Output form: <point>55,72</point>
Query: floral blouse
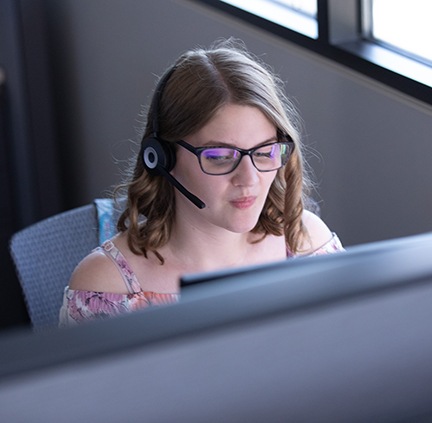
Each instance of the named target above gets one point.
<point>81,306</point>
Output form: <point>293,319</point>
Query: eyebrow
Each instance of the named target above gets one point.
<point>274,138</point>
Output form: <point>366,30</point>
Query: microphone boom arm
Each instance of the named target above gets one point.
<point>194,199</point>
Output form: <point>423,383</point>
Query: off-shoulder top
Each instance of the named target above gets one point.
<point>81,306</point>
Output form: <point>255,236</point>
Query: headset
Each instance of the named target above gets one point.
<point>158,155</point>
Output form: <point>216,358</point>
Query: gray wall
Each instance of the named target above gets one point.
<point>369,145</point>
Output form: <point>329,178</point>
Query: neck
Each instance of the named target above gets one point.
<point>198,249</point>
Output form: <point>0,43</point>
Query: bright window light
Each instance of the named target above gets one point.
<point>308,7</point>
<point>404,24</point>
<point>298,15</point>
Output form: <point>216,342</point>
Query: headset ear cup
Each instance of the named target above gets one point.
<point>157,154</point>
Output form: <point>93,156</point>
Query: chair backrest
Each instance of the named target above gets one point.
<point>46,253</point>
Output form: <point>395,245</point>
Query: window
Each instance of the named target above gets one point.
<point>308,7</point>
<point>403,25</point>
<point>388,40</point>
<point>298,15</point>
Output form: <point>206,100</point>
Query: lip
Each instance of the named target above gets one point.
<point>243,203</point>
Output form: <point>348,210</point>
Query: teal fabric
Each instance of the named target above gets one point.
<point>105,209</point>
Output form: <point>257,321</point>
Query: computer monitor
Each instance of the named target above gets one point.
<point>343,338</point>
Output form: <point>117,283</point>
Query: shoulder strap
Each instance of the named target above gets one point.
<point>122,265</point>
<point>105,209</point>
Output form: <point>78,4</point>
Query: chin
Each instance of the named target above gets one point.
<point>243,226</point>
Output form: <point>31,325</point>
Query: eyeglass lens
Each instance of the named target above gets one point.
<point>270,157</point>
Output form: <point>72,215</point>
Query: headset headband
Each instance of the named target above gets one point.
<point>156,100</point>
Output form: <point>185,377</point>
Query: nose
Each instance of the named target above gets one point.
<point>245,174</point>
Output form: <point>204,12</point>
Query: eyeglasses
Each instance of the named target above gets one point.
<point>223,160</point>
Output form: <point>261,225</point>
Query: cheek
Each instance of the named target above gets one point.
<point>268,180</point>
<point>188,172</point>
<point>185,165</point>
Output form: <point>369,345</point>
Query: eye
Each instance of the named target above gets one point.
<point>267,151</point>
<point>221,155</point>
<point>263,154</point>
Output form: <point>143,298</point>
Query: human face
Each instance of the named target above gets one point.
<point>233,201</point>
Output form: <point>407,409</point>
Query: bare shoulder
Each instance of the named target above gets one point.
<point>97,272</point>
<point>319,233</point>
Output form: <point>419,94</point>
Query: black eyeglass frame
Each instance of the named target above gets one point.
<point>198,151</point>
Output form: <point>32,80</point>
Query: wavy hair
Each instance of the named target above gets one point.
<point>203,82</point>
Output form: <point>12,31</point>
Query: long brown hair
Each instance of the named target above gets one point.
<point>204,81</point>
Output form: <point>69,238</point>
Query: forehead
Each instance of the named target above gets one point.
<point>240,126</point>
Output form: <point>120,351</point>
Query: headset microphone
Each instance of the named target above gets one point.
<point>200,204</point>
<point>158,155</point>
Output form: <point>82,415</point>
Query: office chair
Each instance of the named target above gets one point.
<point>46,253</point>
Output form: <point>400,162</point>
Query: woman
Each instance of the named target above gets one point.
<point>220,180</point>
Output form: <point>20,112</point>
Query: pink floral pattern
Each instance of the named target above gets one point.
<point>82,306</point>
<point>128,275</point>
<point>333,246</point>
